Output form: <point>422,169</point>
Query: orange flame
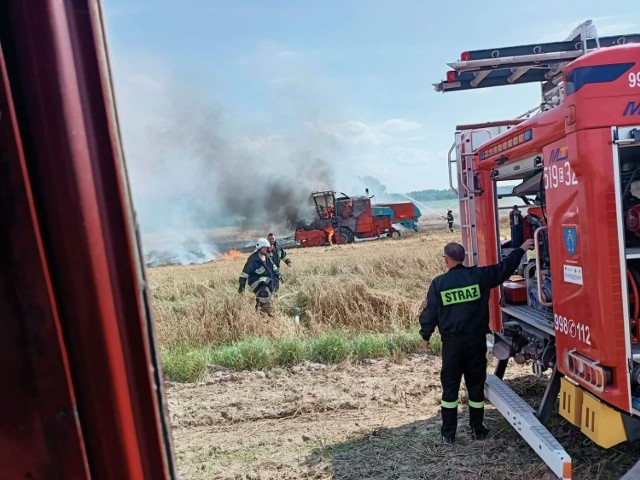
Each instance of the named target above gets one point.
<point>329,231</point>
<point>231,254</point>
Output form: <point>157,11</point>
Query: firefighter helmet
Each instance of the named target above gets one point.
<point>262,242</point>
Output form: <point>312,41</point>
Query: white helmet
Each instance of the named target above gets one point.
<point>262,242</point>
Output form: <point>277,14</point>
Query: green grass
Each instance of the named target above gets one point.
<point>184,363</point>
<point>371,346</point>
<point>331,348</point>
<point>291,351</point>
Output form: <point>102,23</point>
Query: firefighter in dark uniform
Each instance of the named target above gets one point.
<point>261,273</point>
<point>278,255</point>
<point>458,304</point>
<point>450,220</point>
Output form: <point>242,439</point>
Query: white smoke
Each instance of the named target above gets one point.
<point>193,167</point>
<point>177,249</point>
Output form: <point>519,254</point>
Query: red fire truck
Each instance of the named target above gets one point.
<point>574,167</point>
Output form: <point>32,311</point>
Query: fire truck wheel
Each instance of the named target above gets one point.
<point>346,234</point>
<point>395,234</point>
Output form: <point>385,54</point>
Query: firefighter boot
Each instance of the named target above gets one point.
<point>476,417</point>
<point>449,425</point>
<point>263,300</point>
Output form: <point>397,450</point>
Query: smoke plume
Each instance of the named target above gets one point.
<point>195,170</point>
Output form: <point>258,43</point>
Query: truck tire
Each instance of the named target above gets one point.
<point>395,234</point>
<point>346,234</point>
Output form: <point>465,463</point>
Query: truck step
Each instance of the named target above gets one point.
<point>541,319</point>
<point>522,417</point>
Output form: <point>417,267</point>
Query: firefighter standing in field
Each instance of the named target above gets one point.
<point>261,273</point>
<point>278,255</point>
<point>458,304</point>
<point>450,220</point>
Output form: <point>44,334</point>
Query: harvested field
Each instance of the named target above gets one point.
<point>374,420</point>
<point>355,419</point>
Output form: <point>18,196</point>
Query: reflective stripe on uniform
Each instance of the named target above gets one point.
<point>469,293</point>
<point>255,284</point>
<point>473,404</point>
<point>449,404</point>
<point>260,270</point>
<point>244,275</point>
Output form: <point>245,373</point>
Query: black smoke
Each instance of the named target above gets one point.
<point>191,169</point>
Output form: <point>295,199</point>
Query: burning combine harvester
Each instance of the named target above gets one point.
<point>343,219</point>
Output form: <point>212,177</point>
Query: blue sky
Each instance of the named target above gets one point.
<point>353,79</point>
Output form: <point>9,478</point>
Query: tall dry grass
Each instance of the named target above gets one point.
<point>376,287</point>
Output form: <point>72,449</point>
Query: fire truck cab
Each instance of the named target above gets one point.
<point>573,169</point>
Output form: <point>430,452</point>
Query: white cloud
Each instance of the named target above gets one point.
<point>399,125</point>
<point>359,133</point>
<point>416,156</point>
<point>395,151</point>
<point>350,133</point>
<point>425,170</point>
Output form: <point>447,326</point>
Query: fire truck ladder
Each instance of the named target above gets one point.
<point>468,139</point>
<point>541,62</point>
<point>466,193</point>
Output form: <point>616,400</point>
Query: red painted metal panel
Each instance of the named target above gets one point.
<point>604,104</point>
<point>401,210</point>
<point>41,435</point>
<point>488,240</point>
<point>546,127</point>
<point>58,73</point>
<point>596,105</point>
<point>588,316</point>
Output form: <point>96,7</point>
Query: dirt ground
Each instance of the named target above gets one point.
<point>374,420</point>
